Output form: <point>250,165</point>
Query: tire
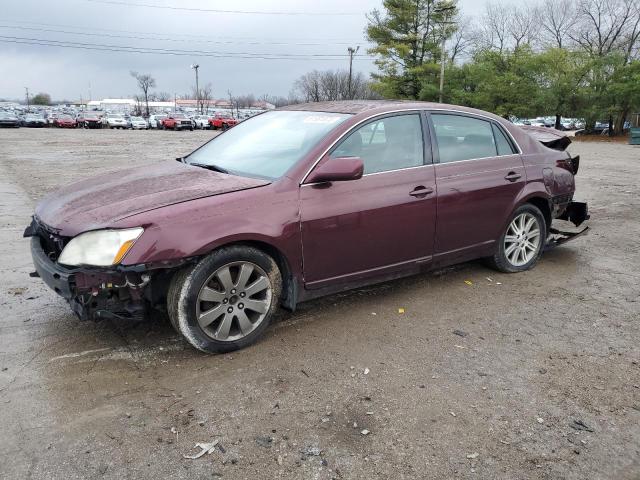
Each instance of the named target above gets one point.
<point>185,305</point>
<point>503,259</point>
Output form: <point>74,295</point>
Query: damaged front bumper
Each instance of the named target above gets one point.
<point>94,294</point>
<point>576,213</point>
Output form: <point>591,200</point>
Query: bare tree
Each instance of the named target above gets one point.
<point>495,27</point>
<point>603,25</point>
<point>204,98</point>
<point>309,86</point>
<point>463,39</point>
<point>632,40</point>
<point>145,82</point>
<point>523,25</point>
<point>557,20</point>
<point>332,85</point>
<point>162,97</point>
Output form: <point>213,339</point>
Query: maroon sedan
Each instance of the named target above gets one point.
<point>301,202</point>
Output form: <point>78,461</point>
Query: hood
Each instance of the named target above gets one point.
<point>100,201</point>
<point>549,137</point>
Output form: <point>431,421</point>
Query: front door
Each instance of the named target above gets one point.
<point>380,223</point>
<point>479,173</point>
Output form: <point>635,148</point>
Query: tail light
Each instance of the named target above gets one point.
<point>571,164</point>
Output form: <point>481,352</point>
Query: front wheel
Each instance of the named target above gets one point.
<point>227,300</point>
<point>521,245</point>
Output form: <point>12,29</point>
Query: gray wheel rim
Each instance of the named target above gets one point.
<point>522,241</point>
<point>234,301</point>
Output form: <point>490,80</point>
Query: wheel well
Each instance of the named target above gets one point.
<point>289,287</point>
<point>543,206</point>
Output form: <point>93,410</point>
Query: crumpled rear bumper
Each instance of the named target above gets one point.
<point>576,213</point>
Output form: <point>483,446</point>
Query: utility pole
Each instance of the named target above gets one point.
<point>442,59</point>
<point>195,66</point>
<point>446,10</point>
<point>352,51</point>
<point>27,90</point>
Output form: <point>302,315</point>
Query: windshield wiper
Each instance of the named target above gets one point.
<point>215,168</point>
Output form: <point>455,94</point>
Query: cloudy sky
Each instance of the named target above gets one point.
<point>245,51</point>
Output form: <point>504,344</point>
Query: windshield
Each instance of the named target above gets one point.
<point>267,145</point>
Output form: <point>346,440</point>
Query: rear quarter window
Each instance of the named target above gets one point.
<point>462,137</point>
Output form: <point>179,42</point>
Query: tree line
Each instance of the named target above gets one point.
<point>552,57</point>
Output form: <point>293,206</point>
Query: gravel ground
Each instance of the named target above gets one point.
<point>526,376</point>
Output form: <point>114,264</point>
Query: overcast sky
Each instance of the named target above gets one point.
<point>317,39</point>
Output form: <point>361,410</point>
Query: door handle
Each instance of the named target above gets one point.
<point>421,191</point>
<point>512,176</point>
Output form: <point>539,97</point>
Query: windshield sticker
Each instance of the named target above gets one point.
<point>320,119</point>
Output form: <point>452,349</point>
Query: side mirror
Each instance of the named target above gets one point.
<point>339,169</point>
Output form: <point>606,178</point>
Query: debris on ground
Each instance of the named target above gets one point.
<point>460,333</point>
<point>17,290</point>
<point>311,451</point>
<point>205,448</point>
<point>401,310</point>
<point>264,441</point>
<point>473,455</point>
<point>540,420</point>
<point>366,371</point>
<point>468,282</point>
<point>365,432</point>
<point>580,425</point>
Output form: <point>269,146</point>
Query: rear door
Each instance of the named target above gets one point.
<point>479,173</point>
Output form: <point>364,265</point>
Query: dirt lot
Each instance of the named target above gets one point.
<point>534,354</point>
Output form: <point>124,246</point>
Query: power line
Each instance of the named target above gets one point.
<point>210,10</point>
<point>160,39</point>
<point>163,51</point>
<point>344,41</point>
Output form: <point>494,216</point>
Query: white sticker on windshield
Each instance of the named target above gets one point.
<point>321,119</point>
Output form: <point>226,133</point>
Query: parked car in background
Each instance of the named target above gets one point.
<point>89,119</point>
<point>138,123</point>
<point>114,120</point>
<point>177,121</point>
<point>9,120</point>
<point>301,202</point>
<point>34,120</point>
<point>155,121</point>
<point>201,121</point>
<point>222,121</point>
<point>65,121</point>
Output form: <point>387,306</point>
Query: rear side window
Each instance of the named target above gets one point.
<point>466,138</point>
<point>504,147</point>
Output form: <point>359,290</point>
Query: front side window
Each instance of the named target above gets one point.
<point>465,138</point>
<point>389,143</point>
<point>267,145</point>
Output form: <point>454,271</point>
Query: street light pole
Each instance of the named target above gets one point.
<point>352,51</point>
<point>27,91</point>
<point>195,66</point>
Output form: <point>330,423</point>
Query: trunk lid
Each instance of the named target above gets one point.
<point>549,137</point>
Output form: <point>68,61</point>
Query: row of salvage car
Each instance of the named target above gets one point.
<point>99,119</point>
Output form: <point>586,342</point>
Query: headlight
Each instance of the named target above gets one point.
<point>100,248</point>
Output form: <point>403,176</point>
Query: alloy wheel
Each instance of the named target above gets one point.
<point>234,301</point>
<point>522,241</point>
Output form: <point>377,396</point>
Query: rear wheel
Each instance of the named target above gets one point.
<point>227,300</point>
<point>521,245</point>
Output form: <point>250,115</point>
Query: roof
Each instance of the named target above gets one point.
<point>380,106</point>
